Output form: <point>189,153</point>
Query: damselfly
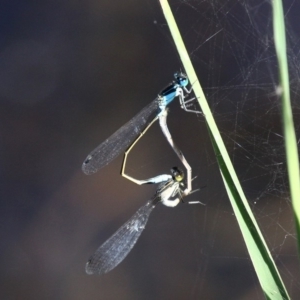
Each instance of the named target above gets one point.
<point>171,187</point>
<point>125,136</point>
<point>170,192</point>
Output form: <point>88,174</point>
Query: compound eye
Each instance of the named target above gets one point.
<point>183,81</point>
<point>179,177</point>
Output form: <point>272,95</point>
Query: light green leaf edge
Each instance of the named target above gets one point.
<point>290,139</point>
<point>263,262</point>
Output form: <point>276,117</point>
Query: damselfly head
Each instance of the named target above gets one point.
<point>181,79</point>
<point>177,174</point>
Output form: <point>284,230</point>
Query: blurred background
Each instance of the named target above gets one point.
<point>73,72</point>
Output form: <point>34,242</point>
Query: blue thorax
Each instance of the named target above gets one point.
<point>168,94</point>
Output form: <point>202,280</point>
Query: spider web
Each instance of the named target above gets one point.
<point>72,73</point>
<point>231,46</point>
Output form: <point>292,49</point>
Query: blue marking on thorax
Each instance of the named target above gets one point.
<point>169,93</point>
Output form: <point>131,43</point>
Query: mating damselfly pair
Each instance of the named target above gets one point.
<point>172,188</point>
